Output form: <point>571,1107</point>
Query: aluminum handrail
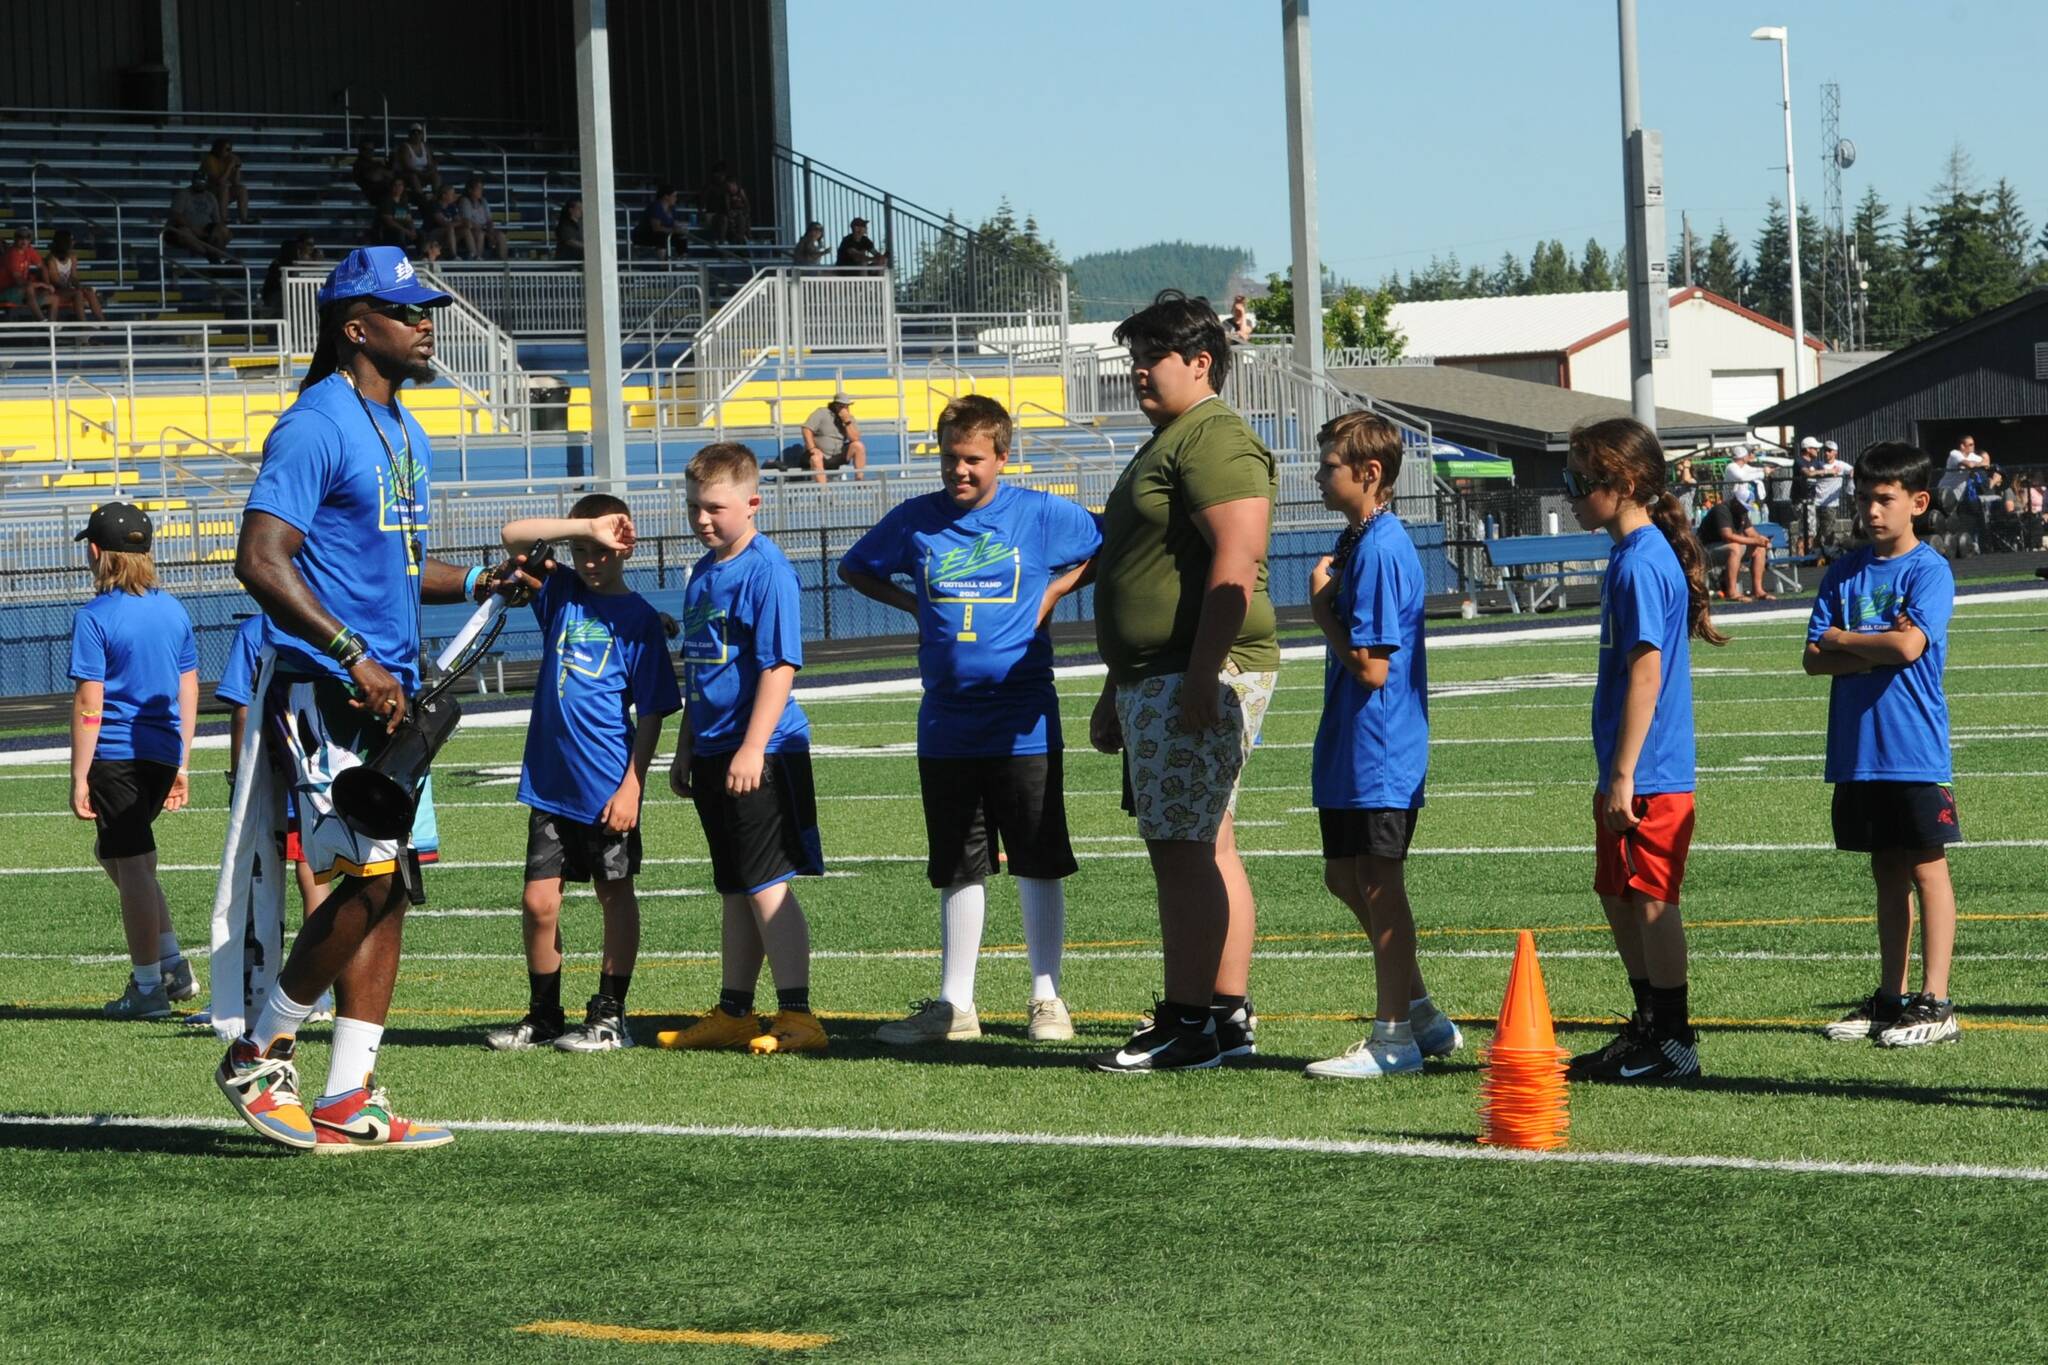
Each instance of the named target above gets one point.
<point>166,266</point>
<point>112,428</point>
<point>41,168</point>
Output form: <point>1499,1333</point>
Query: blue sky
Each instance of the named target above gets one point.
<point>1466,125</point>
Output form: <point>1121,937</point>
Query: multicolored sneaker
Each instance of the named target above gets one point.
<point>178,982</point>
<point>716,1031</point>
<point>136,1003</point>
<point>264,1088</point>
<point>361,1120</point>
<point>790,1031</point>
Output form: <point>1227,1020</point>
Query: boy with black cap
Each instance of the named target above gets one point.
<point>135,705</point>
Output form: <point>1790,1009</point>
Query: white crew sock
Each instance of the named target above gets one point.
<point>167,949</point>
<point>1044,900</point>
<point>962,909</point>
<point>147,979</point>
<point>352,1056</point>
<point>280,1017</point>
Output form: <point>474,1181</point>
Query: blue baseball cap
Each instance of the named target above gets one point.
<point>378,272</point>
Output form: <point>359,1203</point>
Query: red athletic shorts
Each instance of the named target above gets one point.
<point>1649,860</point>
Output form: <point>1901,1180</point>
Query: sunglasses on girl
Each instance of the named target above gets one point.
<point>1576,485</point>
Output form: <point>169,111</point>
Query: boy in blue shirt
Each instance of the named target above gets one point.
<point>744,757</point>
<point>989,562</point>
<point>134,708</point>
<point>604,687</point>
<point>1372,744</point>
<point>1880,630</point>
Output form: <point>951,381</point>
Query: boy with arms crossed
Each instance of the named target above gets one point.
<point>603,654</point>
<point>744,756</point>
<point>989,562</point>
<point>1880,630</point>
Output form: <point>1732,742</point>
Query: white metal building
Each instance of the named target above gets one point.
<point>1725,359</point>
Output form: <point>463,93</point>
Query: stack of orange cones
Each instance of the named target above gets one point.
<point>1522,1098</point>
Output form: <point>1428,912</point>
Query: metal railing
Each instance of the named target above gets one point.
<point>538,300</point>
<point>167,268</point>
<point>36,200</point>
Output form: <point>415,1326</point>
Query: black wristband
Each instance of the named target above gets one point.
<point>346,648</point>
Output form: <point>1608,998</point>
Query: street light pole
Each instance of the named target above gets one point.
<point>1777,34</point>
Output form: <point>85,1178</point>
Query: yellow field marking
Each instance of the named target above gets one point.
<point>678,1336</point>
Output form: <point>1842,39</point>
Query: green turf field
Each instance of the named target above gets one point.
<point>1243,1213</point>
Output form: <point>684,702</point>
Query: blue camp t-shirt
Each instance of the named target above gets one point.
<point>980,577</point>
<point>1891,723</point>
<point>326,474</point>
<point>238,680</point>
<point>1643,601</point>
<point>604,665</point>
<point>741,617</point>
<point>137,645</point>
<point>1372,745</point>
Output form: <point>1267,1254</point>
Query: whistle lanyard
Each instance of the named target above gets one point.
<point>403,480</point>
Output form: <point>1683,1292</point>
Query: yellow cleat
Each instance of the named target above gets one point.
<point>714,1031</point>
<point>791,1031</point>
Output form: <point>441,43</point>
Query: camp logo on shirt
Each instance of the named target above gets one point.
<point>704,634</point>
<point>1878,607</point>
<point>986,571</point>
<point>398,507</point>
<point>584,646</point>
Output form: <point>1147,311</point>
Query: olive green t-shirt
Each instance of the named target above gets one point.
<point>1154,564</point>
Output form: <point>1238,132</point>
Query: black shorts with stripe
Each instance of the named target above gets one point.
<point>766,836</point>
<point>127,796</point>
<point>1886,817</point>
<point>981,812</point>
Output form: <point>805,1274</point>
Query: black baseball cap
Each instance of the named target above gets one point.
<point>118,526</point>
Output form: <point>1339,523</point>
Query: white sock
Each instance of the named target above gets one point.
<point>1400,1035</point>
<point>352,1055</point>
<point>962,909</point>
<point>280,1017</point>
<point>1044,900</point>
<point>167,949</point>
<point>150,978</point>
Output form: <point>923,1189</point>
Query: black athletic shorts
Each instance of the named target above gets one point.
<point>557,846</point>
<point>1352,833</point>
<point>767,836</point>
<point>976,807</point>
<point>1884,817</point>
<point>127,795</point>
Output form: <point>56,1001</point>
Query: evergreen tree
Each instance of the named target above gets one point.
<point>1551,270</point>
<point>2009,232</point>
<point>1770,272</point>
<point>1510,278</point>
<point>1723,270</point>
<point>1596,270</point>
<point>1112,284</point>
<point>1962,271</point>
<point>1677,271</point>
<point>1810,253</point>
<point>1476,285</point>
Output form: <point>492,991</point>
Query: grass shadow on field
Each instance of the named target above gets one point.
<point>69,1012</point>
<point>1957,1096</point>
<point>210,1143</point>
<point>1980,1011</point>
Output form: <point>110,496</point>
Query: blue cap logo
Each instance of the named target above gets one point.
<point>378,272</point>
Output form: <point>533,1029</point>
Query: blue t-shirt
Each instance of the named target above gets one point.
<point>1643,601</point>
<point>358,505</point>
<point>1372,746</point>
<point>604,665</point>
<point>979,577</point>
<point>137,645</point>
<point>741,617</point>
<point>238,680</point>
<point>1891,723</point>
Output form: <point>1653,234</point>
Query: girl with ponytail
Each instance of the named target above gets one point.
<point>1653,600</point>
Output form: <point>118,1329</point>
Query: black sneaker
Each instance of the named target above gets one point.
<point>1236,1032</point>
<point>1159,1046</point>
<point>1924,1020</point>
<point>1863,1023</point>
<point>529,1033</point>
<point>1652,1060</point>
<point>603,1028</point>
<point>1635,1031</point>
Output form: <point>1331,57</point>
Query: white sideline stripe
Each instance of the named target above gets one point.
<point>1183,1142</point>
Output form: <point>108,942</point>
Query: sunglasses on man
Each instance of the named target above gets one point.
<point>406,314</point>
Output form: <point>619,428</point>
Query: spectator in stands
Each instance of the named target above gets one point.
<point>1727,531</point>
<point>300,250</point>
<point>1829,486</point>
<point>1685,485</point>
<point>1745,477</point>
<point>736,222</point>
<point>391,222</point>
<point>372,172</point>
<point>2030,502</point>
<point>711,194</point>
<point>810,248</point>
<point>1239,327</point>
<point>1963,461</point>
<point>857,248</point>
<point>222,169</point>
<point>659,230</point>
<point>415,164</point>
<point>60,273</point>
<point>441,223</point>
<point>21,277</point>
<point>569,231</point>
<point>831,440</point>
<point>476,221</point>
<point>195,224</point>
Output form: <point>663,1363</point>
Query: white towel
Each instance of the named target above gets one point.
<point>248,905</point>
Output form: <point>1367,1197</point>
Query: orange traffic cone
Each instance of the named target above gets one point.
<point>1522,1098</point>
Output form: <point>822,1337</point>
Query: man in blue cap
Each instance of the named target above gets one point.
<point>333,549</point>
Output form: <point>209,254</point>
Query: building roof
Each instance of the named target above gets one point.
<point>1536,324</point>
<point>1888,368</point>
<point>1515,410</point>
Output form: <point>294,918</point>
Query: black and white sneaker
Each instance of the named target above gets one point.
<point>1237,1032</point>
<point>1635,1031</point>
<point>1652,1060</point>
<point>603,1028</point>
<point>529,1033</point>
<point>1924,1020</point>
<point>1863,1023</point>
<point>1160,1046</point>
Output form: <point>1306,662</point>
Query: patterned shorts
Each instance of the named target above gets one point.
<point>1181,785</point>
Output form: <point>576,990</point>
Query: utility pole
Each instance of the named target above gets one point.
<point>601,249</point>
<point>1777,34</point>
<point>1649,273</point>
<point>1301,187</point>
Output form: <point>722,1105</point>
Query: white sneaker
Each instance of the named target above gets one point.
<point>1440,1037</point>
<point>1368,1059</point>
<point>1050,1022</point>
<point>931,1021</point>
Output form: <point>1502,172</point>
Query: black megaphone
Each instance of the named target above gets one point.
<point>379,798</point>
